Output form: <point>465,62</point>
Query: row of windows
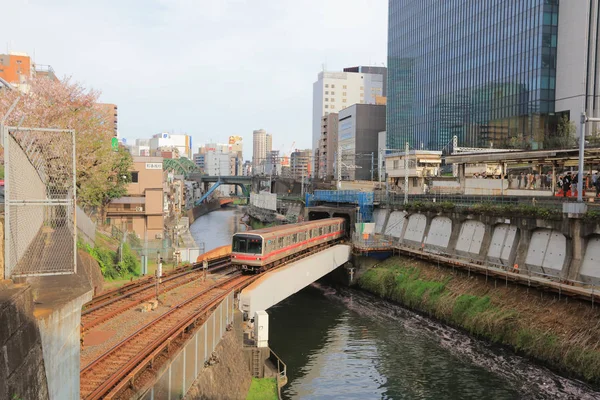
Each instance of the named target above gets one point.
<point>333,86</point>
<point>288,240</point>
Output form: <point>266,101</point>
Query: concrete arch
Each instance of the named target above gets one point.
<point>547,252</point>
<point>470,238</point>
<point>503,246</point>
<point>440,231</point>
<point>395,225</point>
<point>415,230</point>
<point>590,268</point>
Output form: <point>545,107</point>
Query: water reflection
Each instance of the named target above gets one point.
<point>216,228</point>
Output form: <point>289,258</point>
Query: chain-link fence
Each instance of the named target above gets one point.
<point>40,234</point>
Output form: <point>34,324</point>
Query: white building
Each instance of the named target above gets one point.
<point>334,91</point>
<point>262,144</point>
<point>181,142</point>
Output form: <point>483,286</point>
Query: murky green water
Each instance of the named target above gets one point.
<point>345,344</point>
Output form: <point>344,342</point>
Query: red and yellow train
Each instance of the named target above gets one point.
<point>256,251</point>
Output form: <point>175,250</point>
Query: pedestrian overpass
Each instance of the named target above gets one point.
<point>278,284</point>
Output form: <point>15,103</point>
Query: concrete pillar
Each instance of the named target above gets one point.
<point>462,177</point>
<point>523,247</point>
<point>456,228</point>
<point>487,240</point>
<point>577,250</point>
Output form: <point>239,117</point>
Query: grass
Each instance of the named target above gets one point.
<point>396,280</point>
<point>263,389</point>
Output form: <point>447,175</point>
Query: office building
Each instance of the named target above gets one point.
<point>262,144</point>
<point>494,74</point>
<point>141,210</point>
<point>358,140</point>
<point>328,144</point>
<point>334,91</point>
<point>300,164</point>
<point>180,144</point>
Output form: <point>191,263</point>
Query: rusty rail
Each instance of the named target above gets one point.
<point>100,376</point>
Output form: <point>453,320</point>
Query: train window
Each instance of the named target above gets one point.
<point>295,238</point>
<point>320,231</point>
<point>302,236</point>
<point>280,240</point>
<point>255,246</point>
<point>239,244</point>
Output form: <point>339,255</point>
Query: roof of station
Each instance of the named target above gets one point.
<point>518,157</point>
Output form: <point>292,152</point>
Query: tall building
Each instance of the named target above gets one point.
<point>328,146</point>
<point>334,91</point>
<point>494,74</point>
<point>262,144</point>
<point>300,164</point>
<point>111,113</point>
<point>358,139</point>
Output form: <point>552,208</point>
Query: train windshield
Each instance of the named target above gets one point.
<point>247,244</point>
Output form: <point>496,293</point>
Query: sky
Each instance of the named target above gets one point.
<point>208,68</point>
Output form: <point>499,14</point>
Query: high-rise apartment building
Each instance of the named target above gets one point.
<point>300,164</point>
<point>334,91</point>
<point>493,73</point>
<point>262,144</point>
<point>328,146</point>
<point>111,113</point>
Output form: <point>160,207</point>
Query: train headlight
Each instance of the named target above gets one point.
<point>258,258</point>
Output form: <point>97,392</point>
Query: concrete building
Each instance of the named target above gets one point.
<point>262,144</point>
<point>358,136</point>
<point>498,77</point>
<point>328,144</point>
<point>169,142</point>
<point>111,113</point>
<point>18,69</point>
<point>422,164</point>
<point>300,164</point>
<point>141,211</point>
<point>247,168</point>
<point>334,91</point>
<point>273,163</point>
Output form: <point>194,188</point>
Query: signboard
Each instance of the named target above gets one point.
<point>114,143</point>
<point>153,165</point>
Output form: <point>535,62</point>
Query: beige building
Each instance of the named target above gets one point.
<point>142,210</point>
<point>422,164</point>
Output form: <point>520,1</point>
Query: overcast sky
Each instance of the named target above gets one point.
<point>209,68</point>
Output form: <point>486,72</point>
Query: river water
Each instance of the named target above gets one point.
<point>345,344</point>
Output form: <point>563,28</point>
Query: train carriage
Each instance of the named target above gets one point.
<point>257,251</point>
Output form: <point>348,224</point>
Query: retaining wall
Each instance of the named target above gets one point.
<point>176,378</point>
<point>568,248</point>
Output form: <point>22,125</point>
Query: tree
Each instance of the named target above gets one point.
<point>564,137</point>
<point>102,174</point>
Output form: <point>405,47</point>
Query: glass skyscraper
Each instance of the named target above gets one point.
<point>483,70</point>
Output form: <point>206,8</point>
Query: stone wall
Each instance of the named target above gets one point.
<point>22,371</point>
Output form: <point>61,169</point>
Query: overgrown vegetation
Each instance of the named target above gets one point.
<point>497,321</point>
<point>486,208</point>
<point>263,389</point>
<point>114,265</point>
<point>256,224</point>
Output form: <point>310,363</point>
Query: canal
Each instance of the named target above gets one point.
<point>342,343</point>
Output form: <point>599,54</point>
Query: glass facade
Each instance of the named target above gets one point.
<point>483,70</point>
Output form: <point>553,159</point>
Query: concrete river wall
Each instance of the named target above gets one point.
<point>563,248</point>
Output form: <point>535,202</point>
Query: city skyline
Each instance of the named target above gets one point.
<point>121,52</point>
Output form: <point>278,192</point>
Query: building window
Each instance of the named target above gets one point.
<point>326,99</point>
<point>362,88</point>
<point>326,92</point>
<point>396,164</point>
<point>134,177</point>
<point>362,95</point>
<point>332,86</point>
<point>343,93</point>
<point>18,61</point>
<point>326,85</point>
<point>343,100</point>
<point>345,87</point>
<point>332,106</point>
<point>332,93</point>
<point>326,105</point>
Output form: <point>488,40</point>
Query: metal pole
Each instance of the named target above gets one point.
<point>372,165</point>
<point>380,163</point>
<point>339,167</point>
<point>406,150</point>
<point>581,155</point>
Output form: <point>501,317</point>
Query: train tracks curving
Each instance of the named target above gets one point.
<point>114,302</point>
<point>109,373</point>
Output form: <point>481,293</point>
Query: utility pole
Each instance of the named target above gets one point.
<point>380,163</point>
<point>372,165</point>
<point>406,150</point>
<point>339,167</point>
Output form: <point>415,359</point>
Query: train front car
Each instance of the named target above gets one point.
<point>247,252</point>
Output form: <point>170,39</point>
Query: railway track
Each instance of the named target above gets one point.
<point>110,304</point>
<point>107,375</point>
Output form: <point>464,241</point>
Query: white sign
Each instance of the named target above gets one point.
<point>152,165</point>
